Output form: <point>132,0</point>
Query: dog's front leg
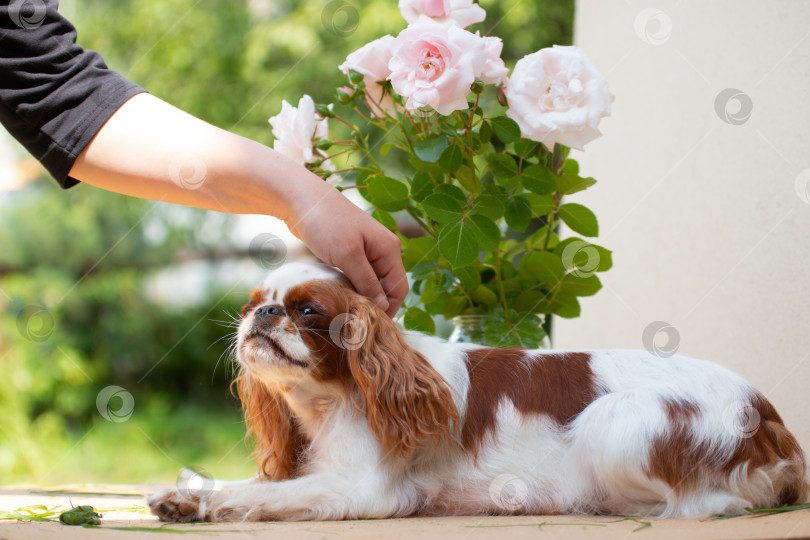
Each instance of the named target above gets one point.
<point>321,496</point>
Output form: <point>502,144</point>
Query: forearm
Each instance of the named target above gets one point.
<point>151,150</point>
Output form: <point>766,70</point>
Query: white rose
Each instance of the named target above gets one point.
<point>461,12</point>
<point>557,95</point>
<point>297,129</point>
<point>495,72</point>
<point>372,61</point>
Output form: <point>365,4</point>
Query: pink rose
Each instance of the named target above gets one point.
<point>460,12</point>
<point>372,61</point>
<point>557,95</point>
<point>435,64</point>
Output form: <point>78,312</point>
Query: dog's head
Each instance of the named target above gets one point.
<point>306,328</point>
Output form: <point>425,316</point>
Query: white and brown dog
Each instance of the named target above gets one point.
<point>354,418</point>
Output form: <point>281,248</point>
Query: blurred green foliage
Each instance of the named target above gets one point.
<point>85,256</point>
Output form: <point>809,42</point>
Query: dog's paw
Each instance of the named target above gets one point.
<point>171,505</point>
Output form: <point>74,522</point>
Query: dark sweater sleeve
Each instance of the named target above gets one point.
<point>54,95</point>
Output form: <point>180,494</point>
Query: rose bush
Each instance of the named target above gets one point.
<point>487,189</point>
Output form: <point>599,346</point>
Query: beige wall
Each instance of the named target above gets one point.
<point>708,230</point>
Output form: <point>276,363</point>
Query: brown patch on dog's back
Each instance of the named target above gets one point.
<point>675,457</point>
<point>559,385</point>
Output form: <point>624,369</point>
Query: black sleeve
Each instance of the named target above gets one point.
<point>54,95</point>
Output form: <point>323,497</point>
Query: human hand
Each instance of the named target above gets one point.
<point>342,235</point>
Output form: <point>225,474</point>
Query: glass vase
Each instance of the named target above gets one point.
<point>469,328</point>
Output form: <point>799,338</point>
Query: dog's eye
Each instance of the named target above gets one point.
<point>308,311</point>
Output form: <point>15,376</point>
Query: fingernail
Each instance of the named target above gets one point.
<point>382,302</point>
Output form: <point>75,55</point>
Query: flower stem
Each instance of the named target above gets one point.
<point>338,153</point>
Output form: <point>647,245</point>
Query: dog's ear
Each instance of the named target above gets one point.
<point>407,403</point>
<point>279,442</point>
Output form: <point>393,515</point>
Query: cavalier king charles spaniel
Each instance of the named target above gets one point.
<point>354,418</point>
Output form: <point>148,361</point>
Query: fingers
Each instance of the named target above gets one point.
<point>370,255</point>
<point>388,267</point>
<point>365,280</point>
<point>396,293</point>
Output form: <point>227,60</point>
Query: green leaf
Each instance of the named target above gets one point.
<point>443,279</point>
<point>429,150</point>
<point>436,306</point>
<point>775,510</point>
<point>388,194</point>
<point>454,191</point>
<point>450,160</point>
<point>466,178</point>
<point>424,269</point>
<point>526,148</point>
<point>513,284</point>
<point>418,250</point>
<point>605,259</point>
<point>566,306</point>
<point>469,277</point>
<point>569,183</point>
<point>502,165</point>
<point>530,301</point>
<point>579,254</point>
<point>421,186</point>
<point>489,235</point>
<point>497,333</point>
<point>505,129</point>
<point>386,219</point>
<point>443,208</point>
<point>458,243</point>
<point>34,512</point>
<point>541,205</point>
<point>454,306</point>
<point>79,515</point>
<point>526,332</point>
<point>538,239</point>
<point>579,219</point>
<point>362,179</point>
<point>530,330</point>
<point>571,167</point>
<point>497,191</point>
<point>538,179</point>
<point>386,148</point>
<point>424,166</point>
<point>418,320</point>
<point>580,286</point>
<point>542,266</point>
<point>484,295</point>
<point>518,213</point>
<point>489,206</point>
<point>485,131</point>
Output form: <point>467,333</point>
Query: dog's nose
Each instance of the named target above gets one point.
<point>269,311</point>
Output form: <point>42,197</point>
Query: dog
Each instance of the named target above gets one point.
<point>354,418</point>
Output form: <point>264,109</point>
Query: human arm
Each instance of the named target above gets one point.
<point>152,150</point>
<point>81,121</point>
